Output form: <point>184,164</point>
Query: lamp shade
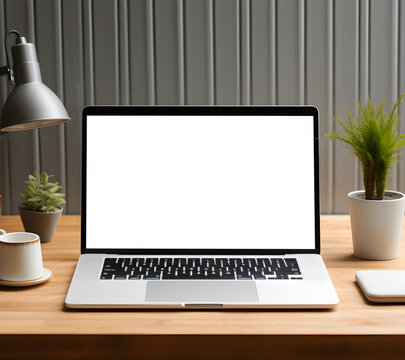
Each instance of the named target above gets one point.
<point>31,104</point>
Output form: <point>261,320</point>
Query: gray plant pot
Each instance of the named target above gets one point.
<point>42,223</point>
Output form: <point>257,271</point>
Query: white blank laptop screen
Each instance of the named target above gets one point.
<point>200,182</point>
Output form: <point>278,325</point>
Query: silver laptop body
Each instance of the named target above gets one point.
<point>200,207</point>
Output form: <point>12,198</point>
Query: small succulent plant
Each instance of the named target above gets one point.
<point>41,195</point>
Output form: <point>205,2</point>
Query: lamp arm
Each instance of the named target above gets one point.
<point>4,70</point>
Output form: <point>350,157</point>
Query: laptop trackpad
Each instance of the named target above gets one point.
<point>201,291</point>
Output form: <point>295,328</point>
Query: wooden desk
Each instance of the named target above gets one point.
<point>33,320</point>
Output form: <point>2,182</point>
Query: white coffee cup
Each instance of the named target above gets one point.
<point>20,256</point>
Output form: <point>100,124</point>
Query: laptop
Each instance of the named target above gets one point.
<point>188,207</point>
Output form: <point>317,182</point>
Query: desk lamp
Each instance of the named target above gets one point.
<point>31,104</point>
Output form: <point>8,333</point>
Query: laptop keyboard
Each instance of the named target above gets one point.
<point>200,269</point>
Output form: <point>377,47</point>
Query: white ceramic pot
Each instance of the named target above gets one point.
<point>376,225</point>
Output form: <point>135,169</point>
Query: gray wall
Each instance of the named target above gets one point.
<point>320,52</point>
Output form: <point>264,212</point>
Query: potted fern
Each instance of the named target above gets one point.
<point>376,214</point>
<point>41,208</point>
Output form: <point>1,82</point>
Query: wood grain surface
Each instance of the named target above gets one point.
<point>39,310</point>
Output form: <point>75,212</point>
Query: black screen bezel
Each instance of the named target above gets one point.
<point>202,111</point>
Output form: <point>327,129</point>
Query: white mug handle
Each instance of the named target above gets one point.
<point>2,232</point>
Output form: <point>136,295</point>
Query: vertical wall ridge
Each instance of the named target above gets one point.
<point>129,57</point>
<point>77,91</point>
<point>61,93</point>
<point>213,52</point>
<point>395,73</point>
<point>330,155</point>
<point>364,61</point>
<point>150,34</point>
<point>249,38</point>
<point>368,48</point>
<point>59,50</point>
<point>4,143</point>
<point>238,47</point>
<point>273,52</point>
<point>210,50</point>
<point>6,197</point>
<point>180,52</point>
<point>123,53</point>
<point>92,51</point>
<point>88,51</point>
<point>245,51</point>
<point>118,90</point>
<point>357,85</point>
<point>401,88</point>
<point>301,52</point>
<point>35,133</point>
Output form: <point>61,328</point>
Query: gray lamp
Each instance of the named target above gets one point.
<point>31,104</point>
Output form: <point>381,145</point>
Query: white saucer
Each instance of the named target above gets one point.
<point>47,275</point>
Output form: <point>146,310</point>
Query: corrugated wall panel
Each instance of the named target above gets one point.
<point>48,41</point>
<point>105,52</point>
<point>364,62</point>
<point>263,52</point>
<point>35,133</point>
<point>140,60</point>
<point>169,78</point>
<point>345,86</point>
<point>401,90</point>
<point>301,52</point>
<point>123,41</point>
<point>4,140</point>
<point>88,51</point>
<point>23,146</point>
<point>383,58</point>
<point>245,53</point>
<point>204,52</point>
<point>75,96</point>
<point>288,65</point>
<point>197,52</point>
<point>317,86</point>
<point>226,52</point>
